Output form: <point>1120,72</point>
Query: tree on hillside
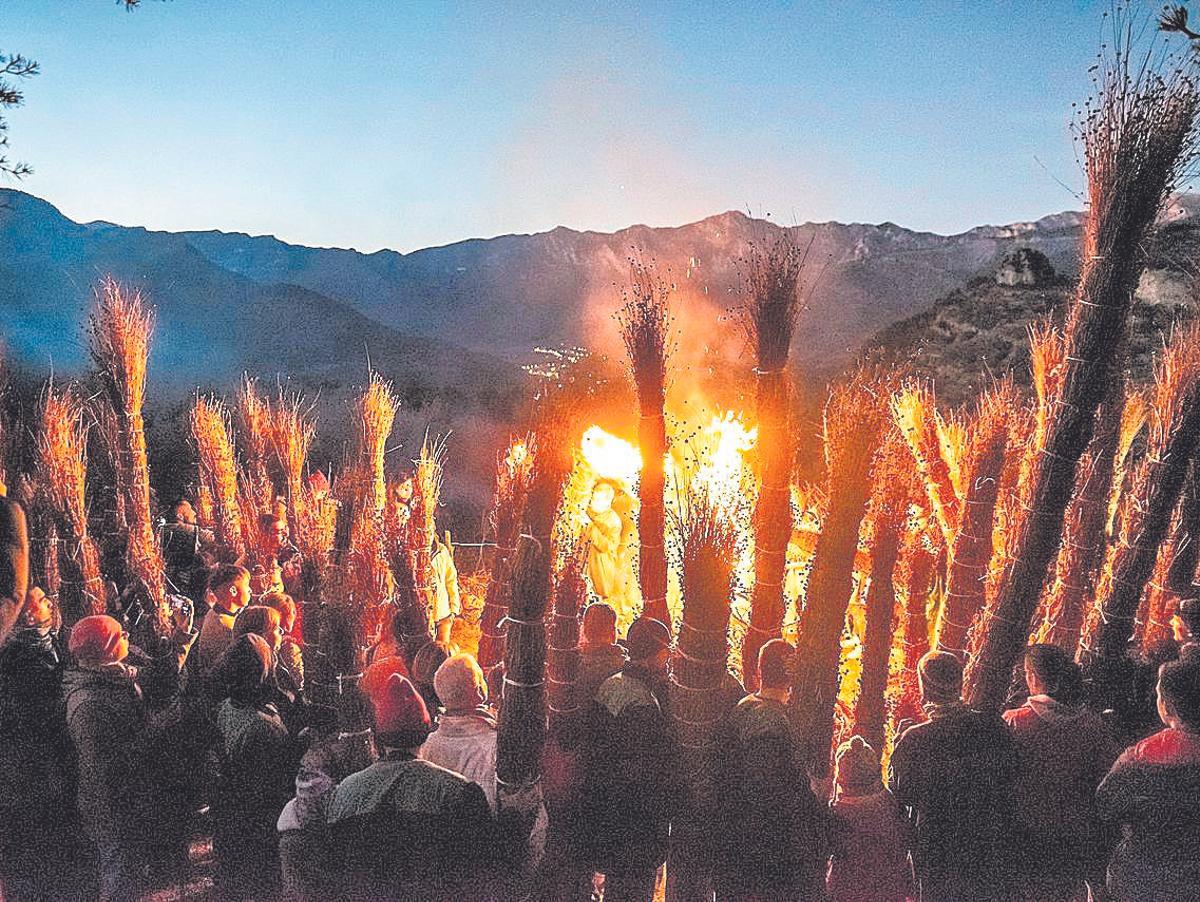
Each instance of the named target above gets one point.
<point>13,67</point>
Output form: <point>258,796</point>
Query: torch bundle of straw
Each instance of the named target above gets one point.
<point>120,328</point>
<point>514,476</point>
<point>43,536</point>
<point>855,417</point>
<point>1176,573</point>
<point>971,550</point>
<point>218,474</point>
<point>562,652</point>
<point>889,513</point>
<point>1138,138</point>
<point>773,285</point>
<point>1156,486</point>
<point>915,411</point>
<point>522,729</point>
<point>422,527</point>
<point>919,563</point>
<point>62,457</point>
<point>644,321</point>
<point>254,418</point>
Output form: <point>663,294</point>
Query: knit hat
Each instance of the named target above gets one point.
<point>941,675</point>
<point>858,770</point>
<point>647,637</point>
<point>401,718</point>
<point>460,683</point>
<point>96,640</point>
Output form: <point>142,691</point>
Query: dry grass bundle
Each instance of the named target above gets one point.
<point>1168,585</point>
<point>915,411</point>
<point>218,474</point>
<point>919,563</point>
<point>1156,487</point>
<point>1082,554</point>
<point>855,417</point>
<point>983,464</point>
<point>562,653</point>
<point>1138,139</point>
<point>254,419</point>
<point>705,542</point>
<point>120,328</point>
<point>62,459</point>
<point>889,515</point>
<point>290,430</point>
<point>644,321</point>
<point>773,279</point>
<point>522,729</point>
<point>422,528</point>
<point>368,575</point>
<point>514,477</point>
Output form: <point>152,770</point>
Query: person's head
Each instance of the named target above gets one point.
<point>274,531</point>
<point>261,621</point>
<point>602,496</point>
<point>286,606</point>
<point>775,665</point>
<point>1186,621</point>
<point>940,675</point>
<point>401,718</point>
<point>183,513</point>
<point>229,585</point>
<point>38,612</point>
<point>245,669</point>
<point>98,641</point>
<point>403,490</point>
<point>428,659</point>
<point>858,768</point>
<point>460,683</point>
<point>649,643</point>
<point>599,624</point>
<point>318,485</point>
<point>1050,671</point>
<point>1179,694</point>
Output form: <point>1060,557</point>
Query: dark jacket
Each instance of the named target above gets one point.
<point>1064,752</point>
<point>953,777</point>
<point>775,831</point>
<point>256,771</point>
<point>406,828</point>
<point>630,781</point>
<point>106,721</point>
<point>1153,793</point>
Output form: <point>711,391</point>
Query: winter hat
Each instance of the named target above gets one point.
<point>858,770</point>
<point>647,637</point>
<point>401,718</point>
<point>96,640</point>
<point>940,674</point>
<point>460,683</point>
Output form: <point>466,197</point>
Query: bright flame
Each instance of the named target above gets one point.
<point>610,457</point>
<point>517,454</point>
<point>720,466</point>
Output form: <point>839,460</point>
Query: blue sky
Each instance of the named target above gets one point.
<point>385,124</point>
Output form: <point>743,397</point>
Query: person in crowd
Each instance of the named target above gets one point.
<point>953,777</point>
<point>14,560</point>
<point>405,828</point>
<point>776,832</point>
<point>283,693</point>
<point>599,654</point>
<point>870,852</point>
<point>630,782</point>
<point>228,593</point>
<point>183,546</point>
<point>1064,750</point>
<point>256,767</point>
<point>1153,793</point>
<point>465,738</point>
<point>447,602</point>
<point>425,664</point>
<point>291,651</point>
<point>35,846</point>
<point>109,725</point>
<point>1185,624</point>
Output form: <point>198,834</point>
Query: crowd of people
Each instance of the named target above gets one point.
<point>115,758</point>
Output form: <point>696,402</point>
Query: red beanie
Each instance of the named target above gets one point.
<point>95,640</point>
<point>401,718</point>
